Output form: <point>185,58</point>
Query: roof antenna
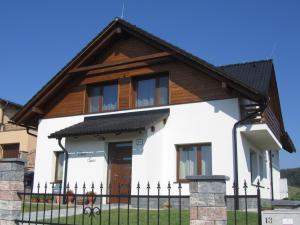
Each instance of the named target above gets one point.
<point>275,45</point>
<point>123,10</point>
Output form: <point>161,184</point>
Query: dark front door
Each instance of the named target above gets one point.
<point>120,159</point>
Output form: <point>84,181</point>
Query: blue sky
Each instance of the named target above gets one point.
<point>37,38</point>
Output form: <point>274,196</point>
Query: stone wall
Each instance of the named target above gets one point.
<point>207,200</point>
<point>11,182</point>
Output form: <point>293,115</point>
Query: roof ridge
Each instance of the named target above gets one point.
<point>11,102</point>
<point>244,63</point>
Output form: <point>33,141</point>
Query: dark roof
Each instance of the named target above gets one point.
<point>114,123</point>
<point>10,103</point>
<point>255,74</point>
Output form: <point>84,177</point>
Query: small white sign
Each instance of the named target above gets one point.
<point>287,221</point>
<point>139,141</point>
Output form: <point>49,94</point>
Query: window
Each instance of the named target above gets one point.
<point>59,162</point>
<point>253,166</point>
<point>152,91</point>
<point>261,167</point>
<point>193,160</point>
<point>103,97</point>
<point>10,150</point>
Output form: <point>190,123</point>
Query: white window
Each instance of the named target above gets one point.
<point>253,166</point>
<point>59,162</point>
<point>261,166</point>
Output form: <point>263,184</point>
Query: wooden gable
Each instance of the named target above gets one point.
<point>120,52</point>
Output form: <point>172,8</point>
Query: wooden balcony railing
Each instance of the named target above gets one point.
<point>267,117</point>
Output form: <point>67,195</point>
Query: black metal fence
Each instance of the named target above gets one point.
<point>104,206</point>
<point>245,209</point>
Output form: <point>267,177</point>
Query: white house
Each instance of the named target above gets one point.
<point>132,108</point>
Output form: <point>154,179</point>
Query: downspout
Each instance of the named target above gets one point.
<point>235,151</point>
<point>29,133</point>
<point>66,166</point>
<point>271,174</point>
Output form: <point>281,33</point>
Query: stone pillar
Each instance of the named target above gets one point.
<point>207,200</point>
<point>11,182</point>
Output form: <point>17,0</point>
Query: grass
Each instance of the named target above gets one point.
<point>241,218</point>
<point>174,217</point>
<point>294,193</point>
<point>41,207</point>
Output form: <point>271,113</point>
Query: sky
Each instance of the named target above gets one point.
<point>37,38</point>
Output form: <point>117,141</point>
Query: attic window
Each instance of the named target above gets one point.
<point>152,91</point>
<point>103,97</point>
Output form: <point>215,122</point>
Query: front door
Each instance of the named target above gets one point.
<point>120,160</point>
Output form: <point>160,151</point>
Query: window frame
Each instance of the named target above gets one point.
<point>199,159</point>
<point>100,101</point>
<point>7,147</point>
<point>57,153</point>
<point>156,77</point>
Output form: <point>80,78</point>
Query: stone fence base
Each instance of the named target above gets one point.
<point>11,182</point>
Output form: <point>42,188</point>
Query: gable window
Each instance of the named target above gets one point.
<point>193,160</point>
<point>59,163</point>
<point>103,97</point>
<point>152,91</point>
<point>10,150</point>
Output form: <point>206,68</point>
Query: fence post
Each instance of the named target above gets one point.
<point>207,200</point>
<point>11,182</point>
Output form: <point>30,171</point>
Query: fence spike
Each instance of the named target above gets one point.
<point>148,185</point>
<point>45,185</point>
<point>169,185</point>
<point>76,186</point>
<point>245,184</point>
<point>258,184</point>
<point>179,185</point>
<point>138,185</point>
<point>83,185</point>
<point>158,185</point>
<point>101,185</point>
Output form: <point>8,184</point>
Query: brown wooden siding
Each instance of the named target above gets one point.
<point>186,85</point>
<point>124,93</point>
<point>122,49</point>
<point>72,103</point>
<point>272,115</point>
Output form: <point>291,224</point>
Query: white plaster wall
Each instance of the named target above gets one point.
<point>155,160</point>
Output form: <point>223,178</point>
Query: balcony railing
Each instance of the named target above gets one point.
<point>267,117</point>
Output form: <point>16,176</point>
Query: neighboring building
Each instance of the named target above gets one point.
<point>15,141</point>
<point>131,107</point>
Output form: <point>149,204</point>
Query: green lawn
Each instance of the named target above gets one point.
<point>294,193</point>
<point>41,207</point>
<point>252,218</point>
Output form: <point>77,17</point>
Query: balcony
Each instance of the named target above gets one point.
<point>264,130</point>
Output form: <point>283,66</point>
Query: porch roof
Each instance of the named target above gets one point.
<point>114,123</point>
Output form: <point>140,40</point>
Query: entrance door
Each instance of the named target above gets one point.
<point>120,161</point>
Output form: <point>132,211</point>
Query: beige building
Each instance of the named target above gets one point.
<point>15,141</point>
